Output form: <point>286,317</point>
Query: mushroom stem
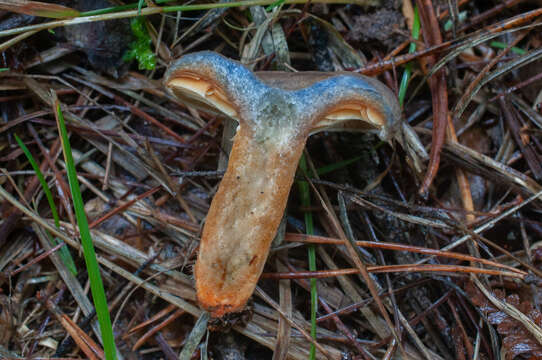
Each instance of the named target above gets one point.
<point>242,221</point>
<point>276,113</point>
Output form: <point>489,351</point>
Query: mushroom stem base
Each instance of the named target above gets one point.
<point>242,221</point>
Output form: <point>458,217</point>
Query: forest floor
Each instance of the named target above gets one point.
<point>426,246</point>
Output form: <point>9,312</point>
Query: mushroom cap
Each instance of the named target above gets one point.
<point>318,101</point>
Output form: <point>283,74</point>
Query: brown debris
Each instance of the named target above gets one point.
<point>516,339</point>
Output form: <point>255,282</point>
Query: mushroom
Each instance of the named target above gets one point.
<point>277,112</point>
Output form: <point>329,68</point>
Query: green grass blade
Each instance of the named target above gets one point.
<point>408,67</point>
<point>96,285</point>
<point>41,178</point>
<point>139,5</point>
<point>274,5</point>
<point>309,229</point>
<point>64,251</point>
<point>501,45</point>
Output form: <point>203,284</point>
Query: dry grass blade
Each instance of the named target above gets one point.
<point>486,166</point>
<point>156,317</point>
<point>402,247</point>
<point>85,342</point>
<point>284,328</point>
<point>156,329</point>
<point>405,217</point>
<point>452,269</point>
<point>195,336</point>
<point>36,8</point>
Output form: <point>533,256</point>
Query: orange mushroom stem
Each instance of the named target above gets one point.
<point>276,112</point>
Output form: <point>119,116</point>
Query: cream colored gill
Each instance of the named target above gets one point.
<point>352,111</point>
<point>203,91</point>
